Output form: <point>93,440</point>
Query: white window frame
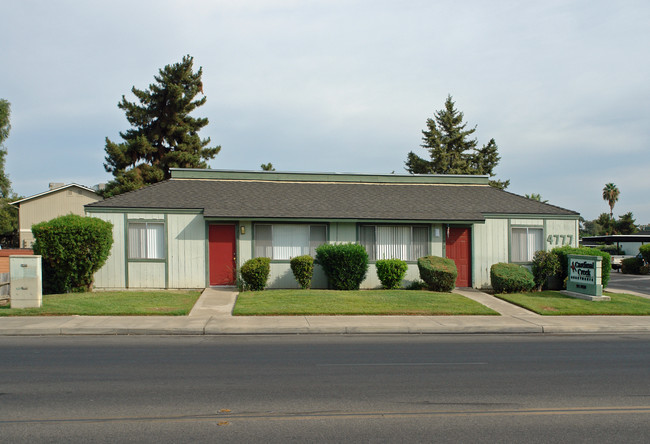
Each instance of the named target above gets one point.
<point>284,241</point>
<point>522,254</point>
<point>148,243</point>
<point>371,237</point>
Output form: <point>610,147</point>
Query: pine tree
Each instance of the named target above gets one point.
<point>8,213</point>
<point>163,134</point>
<point>452,150</point>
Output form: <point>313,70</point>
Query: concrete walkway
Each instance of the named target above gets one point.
<point>211,315</point>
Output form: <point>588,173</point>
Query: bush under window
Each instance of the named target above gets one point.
<point>510,278</point>
<point>303,270</point>
<point>391,272</point>
<point>345,265</point>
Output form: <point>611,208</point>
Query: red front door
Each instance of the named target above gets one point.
<point>222,254</point>
<point>459,248</point>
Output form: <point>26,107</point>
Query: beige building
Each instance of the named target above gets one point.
<point>59,200</point>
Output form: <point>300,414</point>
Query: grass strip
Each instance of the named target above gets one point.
<point>553,303</point>
<point>111,303</point>
<point>362,302</point>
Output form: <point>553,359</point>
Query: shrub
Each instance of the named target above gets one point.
<point>645,252</point>
<point>255,273</point>
<point>391,272</point>
<point>631,265</point>
<point>345,265</point>
<point>545,265</point>
<point>73,248</point>
<point>303,270</point>
<point>438,273</point>
<point>511,278</point>
<point>562,253</point>
<point>644,269</point>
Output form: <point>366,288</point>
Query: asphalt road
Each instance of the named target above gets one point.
<point>629,282</point>
<point>325,389</point>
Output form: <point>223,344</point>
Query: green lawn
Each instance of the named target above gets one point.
<point>555,303</point>
<point>363,302</point>
<point>111,303</point>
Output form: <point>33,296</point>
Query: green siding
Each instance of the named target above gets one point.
<point>112,274</point>
<point>186,250</point>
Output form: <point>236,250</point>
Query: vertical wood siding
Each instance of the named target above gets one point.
<point>112,274</point>
<point>146,275</point>
<point>186,251</point>
<point>490,246</point>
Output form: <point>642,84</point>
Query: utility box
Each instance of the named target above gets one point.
<point>26,277</point>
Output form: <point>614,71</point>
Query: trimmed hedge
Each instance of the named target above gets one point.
<point>562,253</point>
<point>255,273</point>
<point>391,272</point>
<point>645,252</point>
<point>345,265</point>
<point>438,273</point>
<point>511,278</point>
<point>303,270</point>
<point>73,248</point>
<point>631,265</point>
<point>545,264</point>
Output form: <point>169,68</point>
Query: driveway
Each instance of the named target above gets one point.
<point>629,282</point>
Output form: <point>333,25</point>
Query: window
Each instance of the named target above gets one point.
<point>285,241</point>
<point>395,241</point>
<point>524,243</point>
<point>146,240</point>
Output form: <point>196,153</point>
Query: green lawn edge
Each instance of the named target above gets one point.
<point>553,303</point>
<point>357,303</point>
<point>112,303</point>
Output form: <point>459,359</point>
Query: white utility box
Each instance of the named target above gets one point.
<point>26,281</point>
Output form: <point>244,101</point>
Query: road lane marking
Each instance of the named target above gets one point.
<point>381,364</point>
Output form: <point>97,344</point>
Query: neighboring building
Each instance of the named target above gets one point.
<point>629,243</point>
<point>197,228</point>
<point>59,200</point>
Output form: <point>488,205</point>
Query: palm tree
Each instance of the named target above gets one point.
<point>610,194</point>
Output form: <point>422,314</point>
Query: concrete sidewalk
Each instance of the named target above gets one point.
<point>211,315</point>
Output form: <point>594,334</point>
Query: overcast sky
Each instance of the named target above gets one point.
<point>344,86</point>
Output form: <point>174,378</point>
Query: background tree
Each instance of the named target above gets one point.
<point>163,134</point>
<point>610,194</point>
<point>605,224</point>
<point>267,167</point>
<point>8,213</point>
<point>452,150</point>
<point>537,197</point>
<point>626,224</point>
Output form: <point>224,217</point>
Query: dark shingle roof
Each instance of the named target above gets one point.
<point>330,200</point>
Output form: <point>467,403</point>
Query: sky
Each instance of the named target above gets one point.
<point>344,86</point>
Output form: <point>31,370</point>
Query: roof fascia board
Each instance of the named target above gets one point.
<point>185,173</point>
<point>532,216</point>
<point>92,209</point>
<point>359,221</point>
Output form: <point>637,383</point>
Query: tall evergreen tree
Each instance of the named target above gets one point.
<point>163,134</point>
<point>452,150</point>
<point>626,224</point>
<point>8,213</point>
<point>5,127</point>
